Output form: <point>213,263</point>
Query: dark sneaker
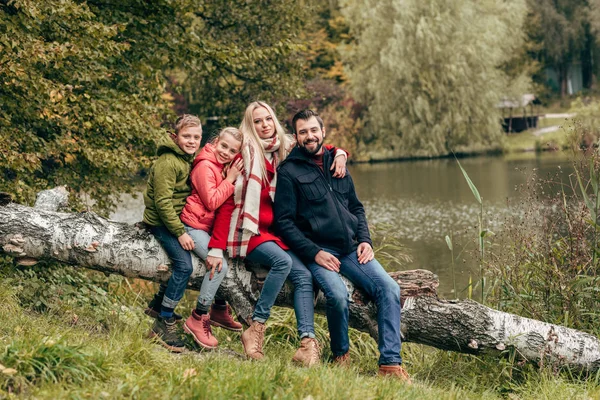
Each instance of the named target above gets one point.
<point>155,312</point>
<point>165,331</point>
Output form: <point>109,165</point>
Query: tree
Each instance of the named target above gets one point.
<point>430,72</point>
<point>256,46</point>
<point>565,37</point>
<point>83,95</point>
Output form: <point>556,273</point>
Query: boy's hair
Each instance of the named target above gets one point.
<point>186,121</point>
<point>305,116</point>
<point>235,132</point>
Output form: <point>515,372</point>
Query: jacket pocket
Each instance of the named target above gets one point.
<point>341,186</point>
<point>311,186</point>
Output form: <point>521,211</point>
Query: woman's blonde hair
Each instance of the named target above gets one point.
<point>251,137</point>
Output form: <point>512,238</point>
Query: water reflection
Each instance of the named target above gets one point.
<point>426,200</point>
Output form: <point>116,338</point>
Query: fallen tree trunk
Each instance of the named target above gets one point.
<point>89,241</point>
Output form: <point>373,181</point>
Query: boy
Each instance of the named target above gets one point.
<point>164,199</point>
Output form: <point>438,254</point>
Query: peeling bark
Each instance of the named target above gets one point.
<point>89,241</point>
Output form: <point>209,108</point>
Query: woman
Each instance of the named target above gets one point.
<point>243,224</point>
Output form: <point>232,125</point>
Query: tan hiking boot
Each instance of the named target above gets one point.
<point>396,371</point>
<point>221,316</point>
<point>252,340</point>
<point>343,360</point>
<point>309,353</point>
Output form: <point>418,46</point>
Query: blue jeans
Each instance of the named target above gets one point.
<point>302,280</point>
<point>181,264</point>
<point>279,263</point>
<point>372,278</point>
<point>209,287</point>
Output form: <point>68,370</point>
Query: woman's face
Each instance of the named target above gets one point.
<point>263,123</point>
<point>227,148</point>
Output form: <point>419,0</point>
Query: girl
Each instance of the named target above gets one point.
<point>244,223</point>
<point>212,180</point>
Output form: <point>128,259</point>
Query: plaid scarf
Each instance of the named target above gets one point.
<point>244,220</point>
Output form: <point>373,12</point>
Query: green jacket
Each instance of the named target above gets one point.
<point>168,187</point>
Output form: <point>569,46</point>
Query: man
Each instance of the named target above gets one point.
<point>324,223</point>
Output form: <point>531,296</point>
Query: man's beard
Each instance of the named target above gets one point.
<point>311,152</point>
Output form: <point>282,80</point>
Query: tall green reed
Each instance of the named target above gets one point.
<point>482,232</point>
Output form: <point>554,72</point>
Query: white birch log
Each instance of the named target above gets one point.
<point>89,241</point>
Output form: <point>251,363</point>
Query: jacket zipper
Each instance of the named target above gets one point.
<point>335,200</point>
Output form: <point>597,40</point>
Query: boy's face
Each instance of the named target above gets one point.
<point>189,139</point>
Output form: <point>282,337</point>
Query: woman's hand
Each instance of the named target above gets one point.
<point>235,169</point>
<point>339,166</point>
<point>186,242</point>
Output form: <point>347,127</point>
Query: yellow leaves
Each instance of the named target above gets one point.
<point>7,371</point>
<point>56,96</point>
<point>190,372</point>
<point>70,159</point>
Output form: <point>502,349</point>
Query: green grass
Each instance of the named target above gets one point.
<point>72,355</point>
<point>526,141</point>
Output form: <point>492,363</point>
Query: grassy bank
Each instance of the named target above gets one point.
<point>98,349</point>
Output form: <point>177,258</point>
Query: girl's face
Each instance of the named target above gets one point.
<point>227,148</point>
<point>263,123</point>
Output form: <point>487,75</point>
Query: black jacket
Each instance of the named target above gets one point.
<point>314,210</point>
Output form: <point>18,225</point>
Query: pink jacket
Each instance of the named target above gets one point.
<point>209,190</point>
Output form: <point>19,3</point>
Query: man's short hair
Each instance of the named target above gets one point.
<point>305,116</point>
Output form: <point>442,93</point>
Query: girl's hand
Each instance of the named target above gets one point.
<point>186,242</point>
<point>215,267</point>
<point>235,169</point>
<point>213,263</point>
<point>339,166</point>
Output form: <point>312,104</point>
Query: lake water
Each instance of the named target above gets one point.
<point>420,202</point>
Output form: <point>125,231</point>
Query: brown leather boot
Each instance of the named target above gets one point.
<point>252,340</point>
<point>343,360</point>
<point>221,316</point>
<point>309,353</point>
<point>396,371</point>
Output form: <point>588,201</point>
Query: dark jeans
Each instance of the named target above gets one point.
<point>181,265</point>
<point>373,279</point>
